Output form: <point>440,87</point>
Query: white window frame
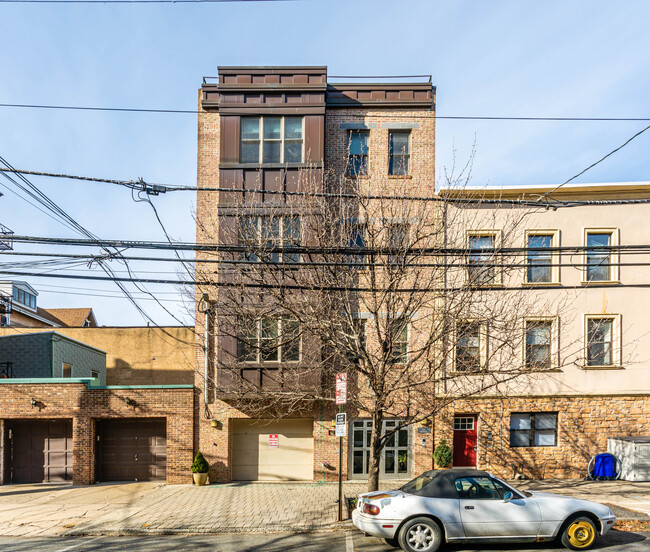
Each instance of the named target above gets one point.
<point>482,346</point>
<point>614,256</point>
<point>555,255</point>
<point>479,233</point>
<point>616,341</point>
<point>555,339</point>
<point>260,157</point>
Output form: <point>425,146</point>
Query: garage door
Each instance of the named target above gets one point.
<point>255,456</point>
<point>132,450</point>
<point>40,451</point>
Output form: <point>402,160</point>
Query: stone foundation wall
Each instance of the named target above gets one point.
<point>583,425</point>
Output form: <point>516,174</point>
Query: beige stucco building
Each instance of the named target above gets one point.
<point>578,256</point>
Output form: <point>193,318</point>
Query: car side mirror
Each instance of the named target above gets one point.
<point>507,497</point>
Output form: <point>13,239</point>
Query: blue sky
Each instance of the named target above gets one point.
<point>502,58</point>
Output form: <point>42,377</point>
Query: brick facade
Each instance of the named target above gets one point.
<point>84,406</point>
<point>584,423</point>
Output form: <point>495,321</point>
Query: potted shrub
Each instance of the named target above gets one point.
<point>200,469</point>
<point>442,454</point>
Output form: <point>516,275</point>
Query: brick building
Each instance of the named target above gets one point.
<point>266,133</point>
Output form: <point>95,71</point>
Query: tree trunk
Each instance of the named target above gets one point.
<point>375,451</point>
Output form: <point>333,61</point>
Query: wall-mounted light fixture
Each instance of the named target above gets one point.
<point>33,402</point>
<point>129,402</point>
<point>216,424</point>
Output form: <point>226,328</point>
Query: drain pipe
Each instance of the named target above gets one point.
<point>206,351</point>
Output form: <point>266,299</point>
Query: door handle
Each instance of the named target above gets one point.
<point>469,507</point>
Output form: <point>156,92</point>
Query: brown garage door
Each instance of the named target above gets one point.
<point>40,451</point>
<point>255,456</point>
<point>132,450</point>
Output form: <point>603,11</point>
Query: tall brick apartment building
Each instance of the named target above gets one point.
<point>261,129</point>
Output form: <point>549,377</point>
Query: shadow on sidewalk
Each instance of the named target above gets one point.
<point>18,489</point>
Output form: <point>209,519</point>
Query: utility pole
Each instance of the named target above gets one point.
<point>341,429</point>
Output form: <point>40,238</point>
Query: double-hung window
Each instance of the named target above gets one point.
<point>601,261</point>
<point>263,236</point>
<point>469,348</point>
<point>539,344</point>
<point>399,350</point>
<point>481,260</point>
<point>268,339</point>
<point>540,258</point>
<point>602,343</point>
<point>399,153</point>
<point>357,153</point>
<point>533,429</point>
<point>271,139</point>
<point>398,243</point>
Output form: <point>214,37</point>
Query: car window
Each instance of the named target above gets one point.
<point>416,484</point>
<point>479,488</point>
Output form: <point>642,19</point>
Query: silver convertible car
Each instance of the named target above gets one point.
<point>466,505</point>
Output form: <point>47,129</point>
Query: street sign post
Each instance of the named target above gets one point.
<point>341,422</point>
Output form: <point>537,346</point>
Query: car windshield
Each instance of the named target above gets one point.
<point>521,493</point>
<point>416,484</point>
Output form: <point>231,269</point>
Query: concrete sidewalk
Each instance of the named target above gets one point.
<point>152,508</point>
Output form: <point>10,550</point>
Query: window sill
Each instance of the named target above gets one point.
<point>541,284</point>
<point>270,166</point>
<point>527,370</point>
<point>400,176</point>
<point>600,283</point>
<point>533,446</point>
<point>484,286</point>
<point>605,367</point>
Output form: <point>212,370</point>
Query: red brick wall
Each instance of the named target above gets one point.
<point>84,406</point>
<point>584,424</point>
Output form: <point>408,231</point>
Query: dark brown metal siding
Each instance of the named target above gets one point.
<point>40,451</point>
<point>230,139</point>
<point>314,138</point>
<point>132,450</point>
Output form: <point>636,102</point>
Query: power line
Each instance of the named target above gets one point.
<point>374,116</point>
<point>596,163</point>
<point>135,1</point>
<point>349,289</point>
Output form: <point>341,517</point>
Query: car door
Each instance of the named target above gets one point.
<point>485,514</point>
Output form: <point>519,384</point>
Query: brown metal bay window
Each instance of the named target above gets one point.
<point>271,139</point>
<point>261,235</point>
<point>268,340</point>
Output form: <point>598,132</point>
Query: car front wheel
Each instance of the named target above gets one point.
<point>420,535</point>
<point>579,534</point>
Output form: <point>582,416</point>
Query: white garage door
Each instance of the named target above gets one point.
<point>256,458</point>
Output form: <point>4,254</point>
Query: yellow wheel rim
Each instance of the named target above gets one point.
<point>581,534</point>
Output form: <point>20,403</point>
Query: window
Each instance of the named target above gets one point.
<point>533,429</point>
<point>398,243</point>
<point>399,153</point>
<point>273,139</point>
<point>468,347</point>
<point>399,352</point>
<point>484,488</point>
<point>464,423</point>
<point>356,233</point>
<point>357,153</point>
<point>602,339</point>
<point>268,340</point>
<point>94,374</point>
<point>356,342</point>
<point>261,235</point>
<point>539,262</point>
<point>395,456</point>
<point>538,347</point>
<point>481,266</point>
<point>24,298</point>
<point>601,262</point>
<point>66,370</point>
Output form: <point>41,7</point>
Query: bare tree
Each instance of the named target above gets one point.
<point>399,289</point>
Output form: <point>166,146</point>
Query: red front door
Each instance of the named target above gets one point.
<point>465,441</point>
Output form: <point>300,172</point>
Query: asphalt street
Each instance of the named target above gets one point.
<point>335,541</point>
